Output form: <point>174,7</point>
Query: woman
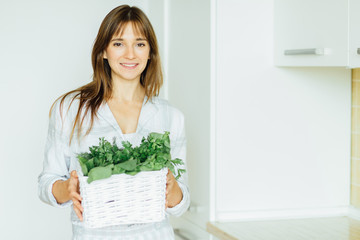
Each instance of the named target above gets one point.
<point>120,102</point>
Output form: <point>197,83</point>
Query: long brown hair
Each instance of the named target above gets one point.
<point>93,94</point>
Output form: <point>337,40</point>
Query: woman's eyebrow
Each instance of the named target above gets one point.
<point>121,39</point>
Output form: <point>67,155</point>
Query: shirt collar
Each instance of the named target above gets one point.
<point>148,110</point>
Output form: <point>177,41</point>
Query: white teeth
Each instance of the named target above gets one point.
<point>128,65</point>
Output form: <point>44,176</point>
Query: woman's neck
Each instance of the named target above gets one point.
<point>127,92</point>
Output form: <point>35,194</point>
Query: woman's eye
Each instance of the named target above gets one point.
<point>117,44</point>
<point>141,44</point>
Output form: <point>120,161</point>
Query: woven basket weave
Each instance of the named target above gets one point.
<point>124,199</point>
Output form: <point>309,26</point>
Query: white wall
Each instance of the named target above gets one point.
<point>283,134</point>
<point>189,90</point>
<point>45,51</point>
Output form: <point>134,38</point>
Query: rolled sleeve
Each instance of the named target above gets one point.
<point>45,190</point>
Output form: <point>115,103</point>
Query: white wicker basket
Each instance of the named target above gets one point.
<point>124,199</point>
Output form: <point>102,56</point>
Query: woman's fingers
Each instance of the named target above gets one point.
<point>169,176</point>
<point>169,182</point>
<point>75,194</point>
<point>76,199</point>
<point>77,204</point>
<point>169,187</point>
<point>78,213</point>
<point>74,174</point>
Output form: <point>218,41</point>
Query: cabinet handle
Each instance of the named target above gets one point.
<point>358,51</point>
<point>308,51</point>
<point>179,234</point>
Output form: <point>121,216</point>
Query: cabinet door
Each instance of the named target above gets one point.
<point>354,34</point>
<point>306,24</point>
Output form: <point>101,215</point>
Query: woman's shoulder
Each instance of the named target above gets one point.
<point>64,107</point>
<point>66,102</point>
<point>164,104</point>
<point>173,114</point>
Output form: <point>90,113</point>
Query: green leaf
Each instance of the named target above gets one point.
<point>146,168</point>
<point>129,165</point>
<point>109,156</point>
<point>158,166</point>
<point>97,161</point>
<point>180,172</point>
<point>172,169</point>
<point>177,161</point>
<point>83,168</point>
<point>118,169</point>
<point>98,173</point>
<point>82,158</point>
<point>132,173</point>
<point>90,164</point>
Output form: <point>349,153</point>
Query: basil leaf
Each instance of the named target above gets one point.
<point>129,165</point>
<point>98,173</point>
<point>118,169</point>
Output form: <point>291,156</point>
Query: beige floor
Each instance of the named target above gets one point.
<point>336,228</point>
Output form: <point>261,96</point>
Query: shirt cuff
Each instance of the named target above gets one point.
<point>179,209</point>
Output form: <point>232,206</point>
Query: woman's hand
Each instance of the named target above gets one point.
<point>74,193</point>
<point>173,191</point>
<point>64,191</point>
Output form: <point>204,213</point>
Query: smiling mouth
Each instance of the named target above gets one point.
<point>129,65</point>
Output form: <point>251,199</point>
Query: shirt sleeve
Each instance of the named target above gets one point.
<point>56,158</point>
<point>178,150</point>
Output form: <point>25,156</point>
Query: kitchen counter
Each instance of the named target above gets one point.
<point>331,228</point>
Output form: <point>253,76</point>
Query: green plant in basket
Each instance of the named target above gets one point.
<point>107,159</point>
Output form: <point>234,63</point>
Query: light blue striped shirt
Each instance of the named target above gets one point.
<point>155,116</point>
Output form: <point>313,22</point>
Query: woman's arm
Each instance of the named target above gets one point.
<point>55,185</point>
<point>56,159</point>
<point>179,197</point>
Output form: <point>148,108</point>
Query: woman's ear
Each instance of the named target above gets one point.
<point>104,54</point>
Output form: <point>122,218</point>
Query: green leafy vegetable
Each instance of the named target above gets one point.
<point>98,173</point>
<point>106,159</point>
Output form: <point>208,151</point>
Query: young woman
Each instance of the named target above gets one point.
<point>120,102</point>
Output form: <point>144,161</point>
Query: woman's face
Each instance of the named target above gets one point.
<point>127,55</point>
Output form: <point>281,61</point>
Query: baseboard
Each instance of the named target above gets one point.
<point>354,212</point>
<point>285,214</point>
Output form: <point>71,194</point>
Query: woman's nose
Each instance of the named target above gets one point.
<point>130,53</point>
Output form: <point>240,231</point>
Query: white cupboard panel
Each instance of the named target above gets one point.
<point>354,34</point>
<point>307,24</point>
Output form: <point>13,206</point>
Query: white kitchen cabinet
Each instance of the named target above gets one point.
<point>317,33</point>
